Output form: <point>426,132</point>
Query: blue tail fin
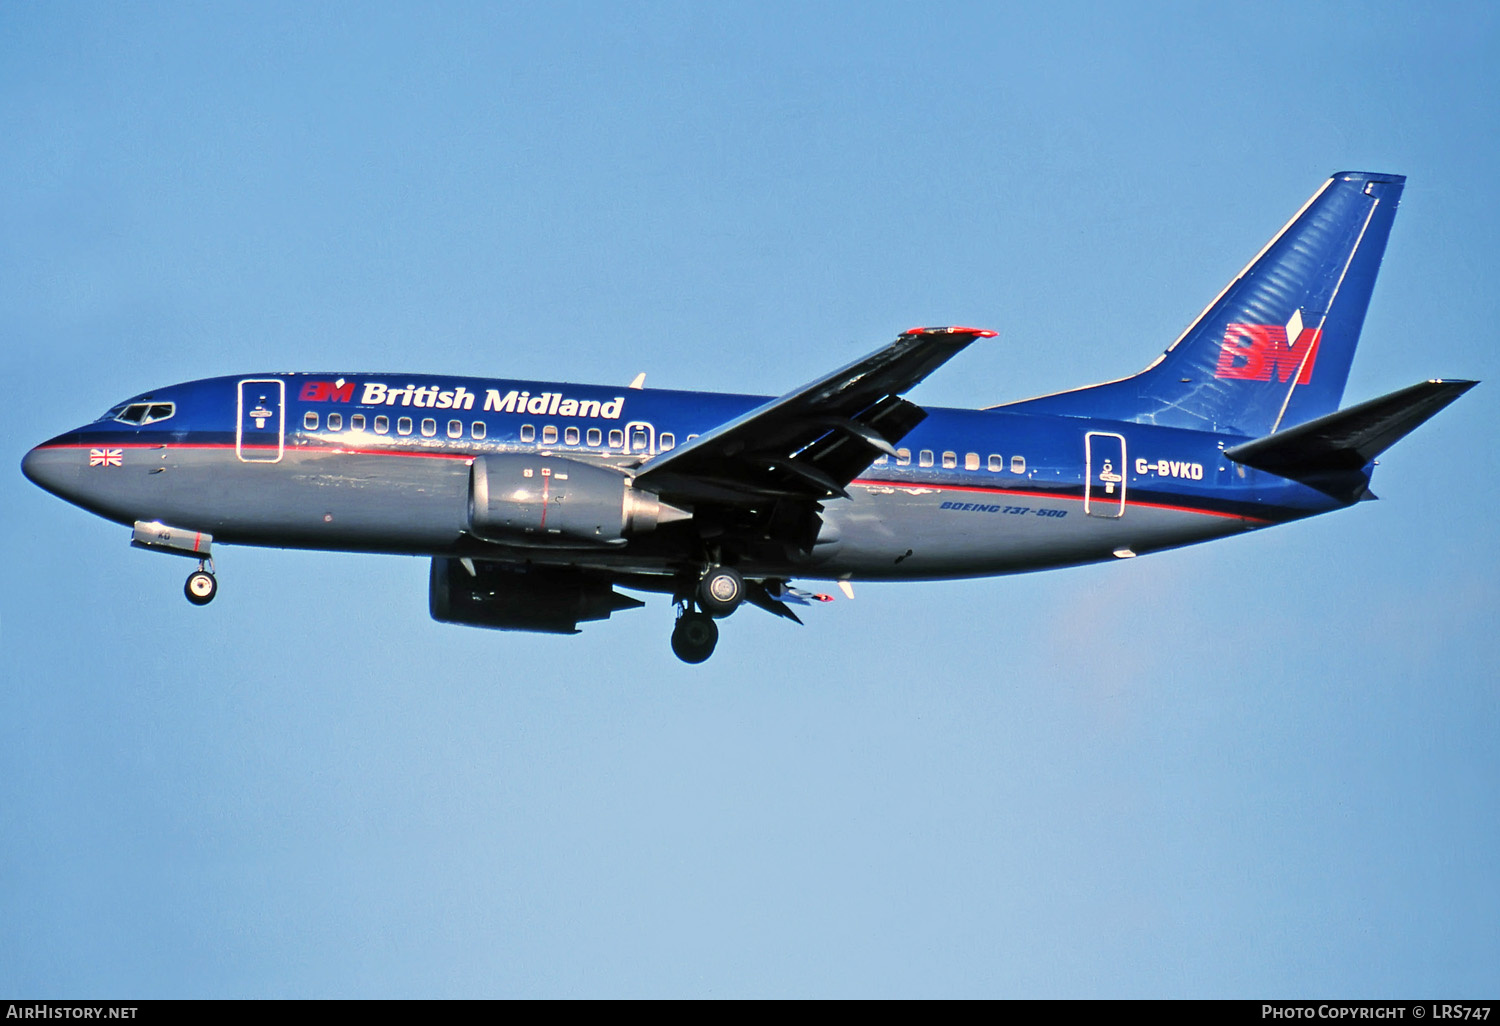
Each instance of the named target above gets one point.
<point>1274,348</point>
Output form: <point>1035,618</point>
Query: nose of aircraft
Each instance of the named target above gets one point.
<point>52,468</point>
<point>31,466</point>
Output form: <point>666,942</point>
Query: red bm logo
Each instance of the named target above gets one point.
<point>339,391</point>
<point>1253,352</point>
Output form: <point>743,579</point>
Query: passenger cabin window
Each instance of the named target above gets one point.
<point>145,413</point>
<point>357,422</point>
<point>640,439</point>
<point>1018,464</point>
<point>429,427</point>
<point>403,426</point>
<point>691,437</point>
<point>549,435</point>
<point>382,424</point>
<point>528,433</point>
<point>903,457</point>
<point>882,461</point>
<point>335,422</point>
<point>997,463</point>
<point>924,458</point>
<point>478,429</point>
<point>668,441</point>
<point>617,439</point>
<point>950,460</point>
<point>971,461</point>
<point>310,421</point>
<point>455,429</point>
<point>595,436</point>
<point>570,435</point>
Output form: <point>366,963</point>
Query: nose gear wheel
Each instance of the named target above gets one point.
<point>201,586</point>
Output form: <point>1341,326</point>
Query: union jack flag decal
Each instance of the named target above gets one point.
<point>106,457</point>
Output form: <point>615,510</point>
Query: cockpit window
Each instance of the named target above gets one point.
<point>144,413</point>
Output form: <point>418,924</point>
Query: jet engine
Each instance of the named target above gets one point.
<point>551,498</point>
<point>552,600</point>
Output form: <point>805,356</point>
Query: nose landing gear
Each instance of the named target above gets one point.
<point>201,586</point>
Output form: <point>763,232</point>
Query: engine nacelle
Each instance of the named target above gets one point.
<point>558,499</point>
<point>520,598</point>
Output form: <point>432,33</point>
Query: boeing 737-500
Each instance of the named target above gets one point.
<point>535,501</point>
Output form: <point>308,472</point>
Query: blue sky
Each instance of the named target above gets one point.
<point>1261,767</point>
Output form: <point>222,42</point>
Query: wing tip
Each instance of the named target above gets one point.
<point>976,332</point>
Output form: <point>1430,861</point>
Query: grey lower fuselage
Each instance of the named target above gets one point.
<point>1003,492</point>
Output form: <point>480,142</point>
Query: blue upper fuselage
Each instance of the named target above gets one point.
<point>986,451</point>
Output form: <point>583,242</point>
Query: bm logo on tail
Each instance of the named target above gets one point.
<point>1253,352</point>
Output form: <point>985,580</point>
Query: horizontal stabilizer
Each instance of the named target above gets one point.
<point>1321,451</point>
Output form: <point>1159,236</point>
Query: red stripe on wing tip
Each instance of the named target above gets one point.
<point>976,332</point>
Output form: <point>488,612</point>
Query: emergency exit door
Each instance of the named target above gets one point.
<point>1104,463</point>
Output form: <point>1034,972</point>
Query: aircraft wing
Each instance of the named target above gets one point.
<point>810,443</point>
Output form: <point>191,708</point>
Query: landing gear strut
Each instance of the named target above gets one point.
<point>201,586</point>
<point>694,637</point>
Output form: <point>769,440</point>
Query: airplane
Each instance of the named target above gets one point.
<point>536,500</point>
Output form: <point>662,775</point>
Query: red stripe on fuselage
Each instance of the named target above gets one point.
<point>272,448</point>
<point>470,455</point>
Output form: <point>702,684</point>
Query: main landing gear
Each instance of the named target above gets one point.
<point>718,593</point>
<point>694,637</point>
<point>202,585</point>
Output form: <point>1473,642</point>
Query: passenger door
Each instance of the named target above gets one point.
<point>260,436</point>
